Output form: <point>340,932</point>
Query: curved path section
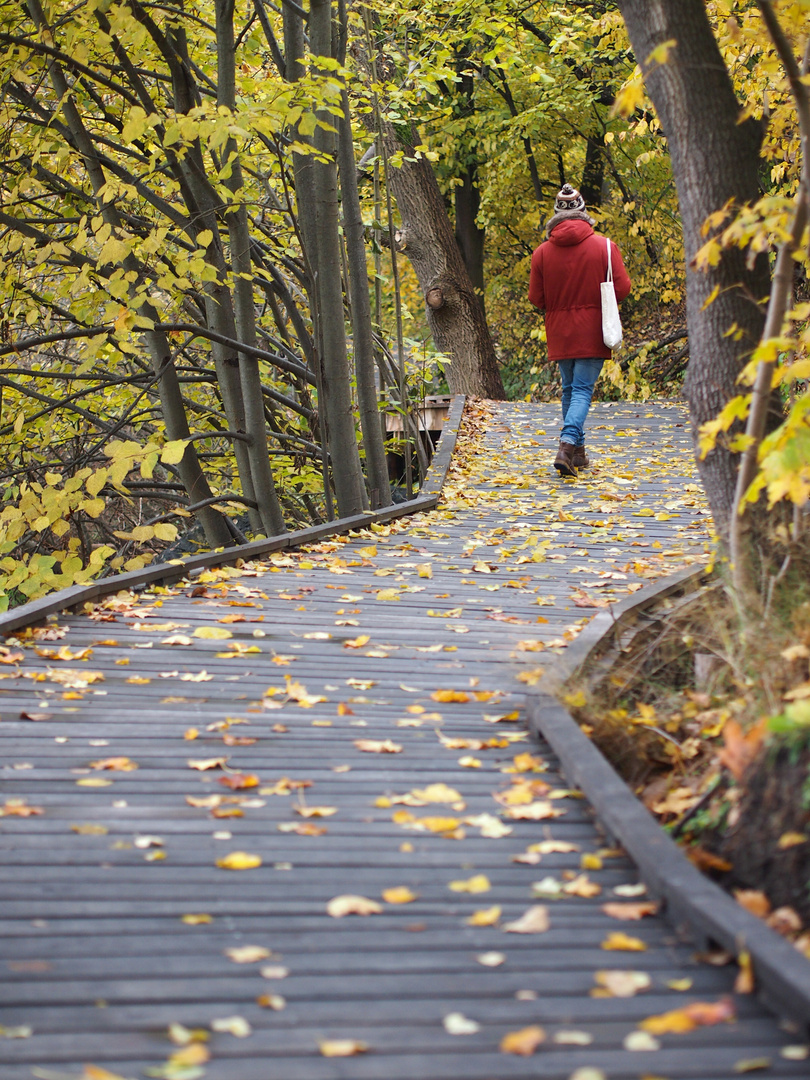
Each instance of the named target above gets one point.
<point>285,822</point>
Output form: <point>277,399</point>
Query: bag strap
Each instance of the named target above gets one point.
<point>609,267</point>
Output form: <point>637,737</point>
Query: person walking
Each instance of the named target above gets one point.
<point>566,272</point>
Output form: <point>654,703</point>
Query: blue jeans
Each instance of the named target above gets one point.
<point>578,380</point>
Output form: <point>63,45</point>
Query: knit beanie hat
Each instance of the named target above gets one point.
<point>568,198</point>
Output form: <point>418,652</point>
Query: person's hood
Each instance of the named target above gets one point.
<point>569,227</point>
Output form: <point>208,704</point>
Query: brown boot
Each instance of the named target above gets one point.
<point>564,461</point>
<point>580,458</point>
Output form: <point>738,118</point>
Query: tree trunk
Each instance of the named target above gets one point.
<point>455,313</point>
<point>715,159</point>
<point>269,509</point>
<point>340,430</point>
<point>593,173</point>
<point>363,339</point>
<point>470,238</point>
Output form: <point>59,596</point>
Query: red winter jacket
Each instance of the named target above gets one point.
<point>566,272</point>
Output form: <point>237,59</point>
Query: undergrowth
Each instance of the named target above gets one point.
<point>707,717</point>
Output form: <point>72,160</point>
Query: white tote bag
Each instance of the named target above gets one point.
<point>611,323</point>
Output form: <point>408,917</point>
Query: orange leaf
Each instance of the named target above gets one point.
<point>523,1042</point>
<point>630,911</point>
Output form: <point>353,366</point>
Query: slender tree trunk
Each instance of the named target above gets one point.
<point>715,160</point>
<point>363,339</point>
<point>269,509</point>
<point>341,436</point>
<point>455,314</point>
<point>470,238</point>
<point>593,173</point>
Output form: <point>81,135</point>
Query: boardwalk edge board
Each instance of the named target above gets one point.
<point>691,902</point>
<point>164,573</point>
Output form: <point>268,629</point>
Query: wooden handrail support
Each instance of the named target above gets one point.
<point>689,899</point>
<point>168,572</point>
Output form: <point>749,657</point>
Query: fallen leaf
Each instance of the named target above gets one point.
<point>640,1041</point>
<point>744,983</point>
<point>477,884</point>
<point>450,696</point>
<point>237,781</point>
<point>315,811</point>
<point>630,911</point>
<point>232,1025</point>
<point>378,746</point>
<point>114,764</point>
<point>399,894</point>
<point>491,959</point>
<point>523,1042</point>
<point>623,984</point>
<point>201,764</point>
<point>350,904</point>
<point>698,1014</point>
<point>457,1023</point>
<point>212,633</point>
<point>239,860</point>
<point>534,920</point>
<point>754,901</point>
<point>621,942</point>
<point>573,1038</point>
<point>747,1065</point>
<point>271,1001</point>
<point>342,1047</point>
<point>196,919</point>
<point>484,917</point>
<point>790,839</point>
<point>247,954</point>
<point>274,971</point>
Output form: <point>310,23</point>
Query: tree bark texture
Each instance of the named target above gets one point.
<point>455,313</point>
<point>714,159</point>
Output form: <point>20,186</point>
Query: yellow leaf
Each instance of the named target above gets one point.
<point>477,884</point>
<point>212,633</point>
<point>196,919</point>
<point>484,917</point>
<point>173,452</point>
<point>357,643</point>
<point>93,781</point>
<point>93,1072</point>
<point>618,941</point>
<point>239,860</point>
<point>399,894</point>
<point>523,1042</point>
<point>450,695</point>
<point>790,839</point>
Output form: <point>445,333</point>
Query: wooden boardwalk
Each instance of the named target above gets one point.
<point>418,638</point>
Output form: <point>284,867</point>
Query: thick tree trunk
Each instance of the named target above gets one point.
<point>715,159</point>
<point>454,311</point>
